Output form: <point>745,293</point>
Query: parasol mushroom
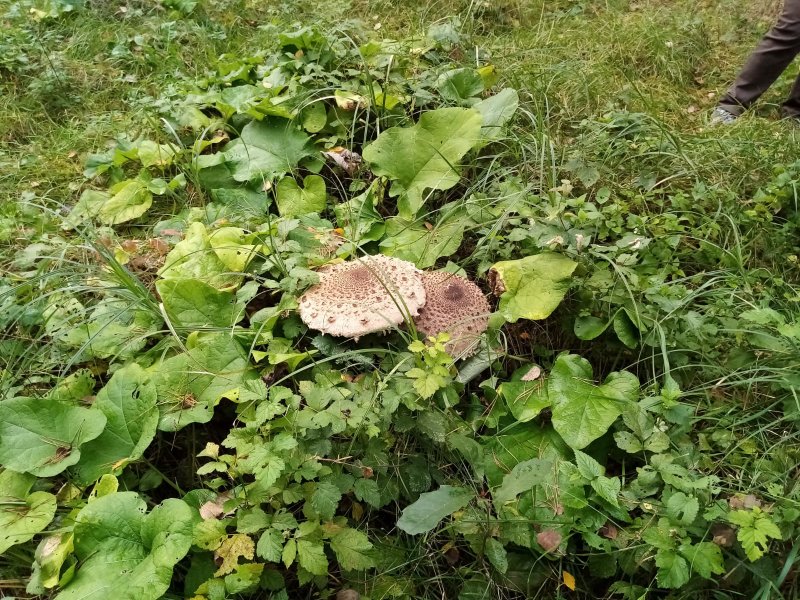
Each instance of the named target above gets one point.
<point>373,293</point>
<point>457,306</point>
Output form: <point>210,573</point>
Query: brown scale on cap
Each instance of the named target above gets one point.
<point>373,293</point>
<point>457,306</point>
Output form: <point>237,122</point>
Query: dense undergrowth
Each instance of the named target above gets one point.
<point>169,427</point>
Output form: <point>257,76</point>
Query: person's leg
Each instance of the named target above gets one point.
<point>791,108</point>
<point>778,48</point>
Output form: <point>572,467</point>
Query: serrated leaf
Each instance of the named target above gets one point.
<point>237,546</point>
<point>704,558</point>
<point>210,533</point>
<point>311,556</point>
<point>658,442</point>
<point>682,509</point>
<point>289,553</point>
<point>496,553</point>
<point>659,535</point>
<point>523,477</point>
<point>325,499</point>
<point>582,411</point>
<point>367,491</point>
<point>425,155</point>
<point>588,467</point>
<point>628,442</point>
<point>531,287</point>
<point>673,570</point>
<point>270,471</point>
<point>124,552</point>
<point>245,578</point>
<point>608,489</point>
<point>756,528</point>
<point>269,545</point>
<point>352,548</point>
<point>44,437</point>
<point>129,403</point>
<point>431,507</point>
<point>426,384</point>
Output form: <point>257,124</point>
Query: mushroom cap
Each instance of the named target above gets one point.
<point>457,306</point>
<point>372,293</point>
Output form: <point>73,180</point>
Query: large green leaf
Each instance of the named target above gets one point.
<point>531,287</point>
<point>522,478</point>
<point>525,398</point>
<point>195,258</point>
<point>125,201</point>
<point>115,328</point>
<point>582,411</point>
<point>130,200</point>
<point>129,403</point>
<point>460,85</point>
<point>43,437</point>
<point>414,242</point>
<point>431,507</point>
<point>231,246</point>
<point>191,384</point>
<point>22,515</point>
<point>267,149</point>
<point>194,304</point>
<point>293,200</point>
<point>425,155</point>
<point>496,111</point>
<point>123,552</point>
<point>520,443</point>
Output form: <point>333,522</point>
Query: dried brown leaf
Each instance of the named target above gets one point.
<point>549,539</point>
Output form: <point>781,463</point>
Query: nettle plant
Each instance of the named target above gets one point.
<point>228,424</point>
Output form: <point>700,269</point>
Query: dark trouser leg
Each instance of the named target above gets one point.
<point>775,52</point>
<point>791,108</point>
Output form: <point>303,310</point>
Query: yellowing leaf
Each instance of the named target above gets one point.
<point>531,287</point>
<point>130,201</point>
<point>237,545</point>
<point>229,244</point>
<point>569,580</point>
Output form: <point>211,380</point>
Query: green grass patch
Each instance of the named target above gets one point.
<point>192,190</point>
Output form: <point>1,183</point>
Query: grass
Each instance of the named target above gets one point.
<point>616,97</point>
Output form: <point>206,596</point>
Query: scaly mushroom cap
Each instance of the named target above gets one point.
<point>362,296</point>
<point>457,306</point>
